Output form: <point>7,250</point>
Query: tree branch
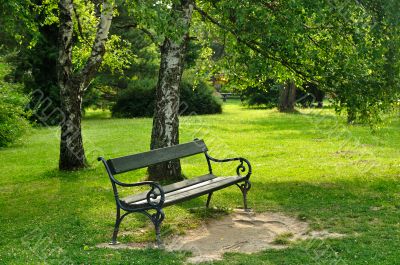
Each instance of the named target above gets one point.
<point>144,30</point>
<point>253,45</point>
<point>79,23</point>
<point>98,48</point>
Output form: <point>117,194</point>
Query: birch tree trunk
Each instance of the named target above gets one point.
<point>72,154</point>
<point>287,97</point>
<point>165,130</point>
<point>72,85</point>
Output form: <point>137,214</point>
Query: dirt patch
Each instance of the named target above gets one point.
<point>245,232</point>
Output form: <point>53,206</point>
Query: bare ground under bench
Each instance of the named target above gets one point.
<point>243,232</point>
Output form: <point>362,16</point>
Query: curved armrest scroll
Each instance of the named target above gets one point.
<point>155,197</point>
<point>242,167</point>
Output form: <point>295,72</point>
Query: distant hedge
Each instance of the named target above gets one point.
<point>138,100</point>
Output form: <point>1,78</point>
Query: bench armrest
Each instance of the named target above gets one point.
<point>242,167</point>
<point>155,191</point>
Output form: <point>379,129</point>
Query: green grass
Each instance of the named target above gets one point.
<point>308,165</point>
<point>283,239</point>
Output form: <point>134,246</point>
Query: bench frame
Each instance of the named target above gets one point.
<point>156,196</point>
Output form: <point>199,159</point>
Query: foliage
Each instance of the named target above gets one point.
<point>36,69</point>
<point>138,99</point>
<point>345,47</point>
<point>198,98</point>
<point>119,52</point>
<point>141,64</point>
<point>348,48</point>
<point>13,123</point>
<point>262,95</point>
<point>29,29</point>
<point>369,84</point>
<point>20,20</point>
<point>99,96</point>
<point>37,55</point>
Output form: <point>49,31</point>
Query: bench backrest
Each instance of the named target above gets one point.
<point>136,161</point>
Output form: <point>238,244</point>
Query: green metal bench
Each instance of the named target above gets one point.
<point>159,196</point>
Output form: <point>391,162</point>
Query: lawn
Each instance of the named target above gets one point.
<point>309,165</point>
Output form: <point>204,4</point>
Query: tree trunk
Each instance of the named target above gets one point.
<point>287,97</point>
<point>351,115</point>
<point>72,85</point>
<point>165,130</point>
<point>72,154</point>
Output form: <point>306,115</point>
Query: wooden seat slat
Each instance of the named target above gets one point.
<point>169,188</point>
<point>192,191</point>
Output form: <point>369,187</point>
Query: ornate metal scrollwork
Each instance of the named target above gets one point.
<point>243,167</point>
<point>157,217</point>
<point>153,195</point>
<point>245,187</point>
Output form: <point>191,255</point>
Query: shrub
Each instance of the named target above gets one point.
<point>198,99</point>
<point>135,101</point>
<point>264,95</point>
<point>13,122</point>
<point>139,98</point>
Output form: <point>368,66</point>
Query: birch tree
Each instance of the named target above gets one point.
<point>165,130</point>
<point>73,83</point>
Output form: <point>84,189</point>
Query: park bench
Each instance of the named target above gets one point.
<point>152,202</point>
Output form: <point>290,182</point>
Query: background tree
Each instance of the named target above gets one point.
<point>287,97</point>
<point>167,23</point>
<point>165,130</point>
<point>73,83</point>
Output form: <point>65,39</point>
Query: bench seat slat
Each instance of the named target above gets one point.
<point>169,188</point>
<point>136,161</point>
<point>192,191</point>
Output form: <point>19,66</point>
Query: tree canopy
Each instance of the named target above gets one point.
<point>349,48</point>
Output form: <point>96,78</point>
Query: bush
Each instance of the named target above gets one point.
<point>13,122</point>
<point>265,95</point>
<point>135,101</point>
<point>139,98</point>
<point>198,99</point>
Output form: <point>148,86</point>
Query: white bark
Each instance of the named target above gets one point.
<point>166,121</point>
<point>72,86</point>
<point>98,49</point>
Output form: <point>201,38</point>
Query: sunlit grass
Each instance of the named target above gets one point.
<point>309,165</point>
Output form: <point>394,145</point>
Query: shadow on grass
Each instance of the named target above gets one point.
<point>346,206</point>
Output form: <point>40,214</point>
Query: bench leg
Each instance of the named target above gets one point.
<point>209,199</point>
<point>118,221</point>
<point>157,219</point>
<point>116,227</point>
<point>245,187</point>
